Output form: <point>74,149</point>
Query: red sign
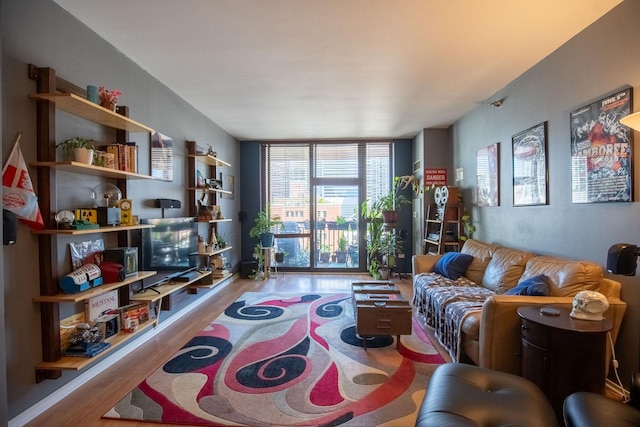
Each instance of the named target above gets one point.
<point>435,177</point>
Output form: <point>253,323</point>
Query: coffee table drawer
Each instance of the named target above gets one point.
<point>382,314</point>
<point>383,321</point>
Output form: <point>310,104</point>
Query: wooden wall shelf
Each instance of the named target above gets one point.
<point>216,252</point>
<point>70,363</point>
<point>210,160</point>
<point>92,292</point>
<point>85,169</point>
<point>74,104</point>
<point>106,229</point>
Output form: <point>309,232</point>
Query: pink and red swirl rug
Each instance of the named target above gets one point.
<point>276,360</point>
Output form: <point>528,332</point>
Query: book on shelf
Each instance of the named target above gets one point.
<point>220,273</point>
<point>126,156</point>
<point>95,307</point>
<point>132,315</point>
<point>86,350</point>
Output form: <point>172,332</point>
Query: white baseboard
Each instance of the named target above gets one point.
<point>48,402</point>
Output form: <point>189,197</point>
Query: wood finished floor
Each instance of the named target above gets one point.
<point>85,405</point>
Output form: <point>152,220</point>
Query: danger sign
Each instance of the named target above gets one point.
<point>435,177</point>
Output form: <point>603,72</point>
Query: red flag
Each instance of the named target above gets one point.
<point>17,191</point>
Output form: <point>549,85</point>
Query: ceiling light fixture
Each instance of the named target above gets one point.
<point>632,121</point>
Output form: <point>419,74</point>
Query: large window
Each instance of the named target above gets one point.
<point>317,189</point>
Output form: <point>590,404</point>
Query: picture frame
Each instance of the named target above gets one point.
<point>228,185</point>
<point>530,170</point>
<point>601,151</point>
<point>161,156</point>
<point>488,175</point>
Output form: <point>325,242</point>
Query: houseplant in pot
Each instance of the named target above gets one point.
<point>389,204</point>
<point>78,149</point>
<point>265,226</point>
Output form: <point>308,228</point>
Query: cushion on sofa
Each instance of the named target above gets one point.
<point>533,286</point>
<point>504,269</point>
<point>481,253</point>
<point>452,265</point>
<point>566,277</point>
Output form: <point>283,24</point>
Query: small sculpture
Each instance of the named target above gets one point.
<point>589,305</point>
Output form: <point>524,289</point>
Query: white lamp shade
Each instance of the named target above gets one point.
<point>632,121</point>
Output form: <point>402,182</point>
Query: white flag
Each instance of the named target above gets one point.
<point>17,191</point>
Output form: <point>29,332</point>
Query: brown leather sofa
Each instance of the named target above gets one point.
<point>490,337</point>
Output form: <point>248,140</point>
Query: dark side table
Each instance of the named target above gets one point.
<point>561,354</point>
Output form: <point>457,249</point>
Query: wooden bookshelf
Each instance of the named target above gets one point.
<point>105,229</point>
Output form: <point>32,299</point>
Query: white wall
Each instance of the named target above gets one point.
<point>597,62</point>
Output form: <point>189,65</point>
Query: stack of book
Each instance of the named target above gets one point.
<point>220,273</point>
<point>126,156</point>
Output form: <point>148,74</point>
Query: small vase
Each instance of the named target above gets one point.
<point>113,106</point>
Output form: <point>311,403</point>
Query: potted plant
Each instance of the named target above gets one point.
<point>324,253</point>
<point>78,149</point>
<point>258,255</point>
<point>341,253</point>
<point>265,226</point>
<point>389,204</point>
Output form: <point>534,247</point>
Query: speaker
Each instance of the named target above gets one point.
<point>168,204</point>
<point>622,259</point>
<point>9,227</point>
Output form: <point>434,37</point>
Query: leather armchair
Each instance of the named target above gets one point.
<point>583,409</point>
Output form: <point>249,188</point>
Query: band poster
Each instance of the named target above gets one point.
<point>601,166</point>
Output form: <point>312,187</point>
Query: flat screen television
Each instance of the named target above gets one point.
<point>171,246</point>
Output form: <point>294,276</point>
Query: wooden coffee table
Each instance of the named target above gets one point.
<point>380,310</point>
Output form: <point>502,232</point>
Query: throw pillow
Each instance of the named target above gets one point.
<point>533,286</point>
<point>452,265</point>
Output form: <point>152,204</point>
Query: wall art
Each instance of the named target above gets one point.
<point>487,175</point>
<point>601,161</point>
<point>161,156</point>
<point>530,174</point>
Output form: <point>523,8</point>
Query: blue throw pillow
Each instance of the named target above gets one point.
<point>533,286</point>
<point>452,265</point>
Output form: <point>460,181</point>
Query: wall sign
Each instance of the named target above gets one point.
<point>435,177</point>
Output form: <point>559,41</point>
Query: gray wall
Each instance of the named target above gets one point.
<point>40,32</point>
<point>595,63</point>
<point>3,374</point>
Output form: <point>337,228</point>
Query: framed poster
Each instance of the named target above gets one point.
<point>228,185</point>
<point>601,161</point>
<point>487,175</point>
<point>530,166</point>
<point>161,156</point>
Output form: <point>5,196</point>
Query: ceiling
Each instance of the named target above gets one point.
<point>335,69</point>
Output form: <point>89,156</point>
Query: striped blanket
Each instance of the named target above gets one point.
<point>445,304</point>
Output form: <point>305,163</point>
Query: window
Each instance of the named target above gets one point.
<point>328,179</point>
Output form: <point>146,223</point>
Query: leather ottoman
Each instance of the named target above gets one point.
<point>465,395</point>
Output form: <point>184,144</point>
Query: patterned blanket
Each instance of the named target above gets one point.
<point>445,304</point>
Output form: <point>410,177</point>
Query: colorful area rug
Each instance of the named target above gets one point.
<point>274,360</point>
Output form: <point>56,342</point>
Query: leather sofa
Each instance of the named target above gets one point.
<point>490,336</point>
